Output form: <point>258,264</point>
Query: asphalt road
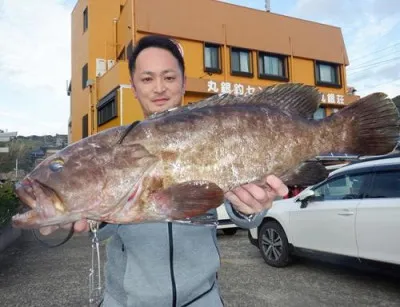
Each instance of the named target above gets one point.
<point>31,275</point>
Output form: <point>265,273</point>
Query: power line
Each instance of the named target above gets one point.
<point>363,68</point>
<point>372,60</point>
<point>383,83</point>
<point>375,51</point>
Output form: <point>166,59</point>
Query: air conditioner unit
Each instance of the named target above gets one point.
<point>110,63</point>
<point>101,67</point>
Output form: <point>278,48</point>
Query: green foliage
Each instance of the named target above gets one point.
<point>8,203</point>
<point>18,149</point>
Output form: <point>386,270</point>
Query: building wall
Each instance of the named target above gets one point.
<point>302,42</point>
<point>128,108</point>
<point>303,71</point>
<point>125,28</point>
<point>98,41</point>
<point>79,57</point>
<point>219,22</point>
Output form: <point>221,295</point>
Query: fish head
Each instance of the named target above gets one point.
<point>92,175</point>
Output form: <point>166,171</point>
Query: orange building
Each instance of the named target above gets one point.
<point>226,48</point>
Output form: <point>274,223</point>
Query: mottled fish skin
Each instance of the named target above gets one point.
<point>230,145</point>
<point>178,164</point>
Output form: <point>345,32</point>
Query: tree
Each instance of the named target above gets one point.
<point>18,149</point>
<point>8,203</point>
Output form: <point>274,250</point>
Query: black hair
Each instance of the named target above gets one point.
<point>156,41</point>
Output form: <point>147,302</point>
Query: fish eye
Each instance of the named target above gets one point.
<point>56,165</point>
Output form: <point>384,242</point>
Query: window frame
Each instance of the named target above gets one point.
<point>129,50</point>
<point>281,57</point>
<point>85,16</point>
<point>324,111</point>
<point>85,75</point>
<point>317,74</point>
<point>122,54</point>
<point>107,101</point>
<point>219,61</point>
<point>241,73</point>
<point>85,126</point>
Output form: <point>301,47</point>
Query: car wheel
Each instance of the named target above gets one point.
<point>273,244</point>
<point>229,231</point>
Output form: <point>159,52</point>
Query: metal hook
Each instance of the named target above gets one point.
<point>95,285</point>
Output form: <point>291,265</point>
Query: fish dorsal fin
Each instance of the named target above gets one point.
<point>291,98</point>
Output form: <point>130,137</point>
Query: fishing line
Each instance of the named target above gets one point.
<point>69,236</point>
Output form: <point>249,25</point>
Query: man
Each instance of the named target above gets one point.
<point>171,264</point>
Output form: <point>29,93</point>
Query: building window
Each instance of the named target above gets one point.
<point>241,62</point>
<point>84,75</point>
<point>85,19</point>
<point>107,108</point>
<point>121,56</point>
<point>85,126</point>
<point>327,74</point>
<point>212,61</point>
<point>320,113</point>
<point>129,50</point>
<point>272,66</point>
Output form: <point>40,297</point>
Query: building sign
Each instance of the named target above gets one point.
<point>238,89</point>
<point>332,98</point>
<point>231,88</point>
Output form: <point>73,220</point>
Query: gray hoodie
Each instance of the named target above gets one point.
<point>165,264</point>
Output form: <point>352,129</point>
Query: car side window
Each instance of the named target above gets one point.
<point>386,184</point>
<point>343,187</point>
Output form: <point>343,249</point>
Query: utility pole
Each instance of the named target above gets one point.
<point>268,5</point>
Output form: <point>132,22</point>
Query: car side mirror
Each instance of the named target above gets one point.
<point>305,197</point>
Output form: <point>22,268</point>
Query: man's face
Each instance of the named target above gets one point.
<point>157,81</point>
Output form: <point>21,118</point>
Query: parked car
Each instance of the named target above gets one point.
<point>224,222</point>
<point>354,212</point>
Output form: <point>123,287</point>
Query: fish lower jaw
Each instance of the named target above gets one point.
<point>34,219</point>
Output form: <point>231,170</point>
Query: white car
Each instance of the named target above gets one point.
<point>225,223</point>
<point>354,212</point>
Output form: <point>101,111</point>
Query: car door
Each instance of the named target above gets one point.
<point>378,218</point>
<point>327,222</point>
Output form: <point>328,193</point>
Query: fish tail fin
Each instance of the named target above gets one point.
<point>369,126</point>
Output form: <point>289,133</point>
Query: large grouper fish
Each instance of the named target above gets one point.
<point>177,165</point>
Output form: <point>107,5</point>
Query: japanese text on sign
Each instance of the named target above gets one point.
<point>240,89</point>
<point>229,88</point>
<point>332,98</point>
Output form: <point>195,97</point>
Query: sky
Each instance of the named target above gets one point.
<point>35,53</point>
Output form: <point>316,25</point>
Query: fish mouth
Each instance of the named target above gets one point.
<point>40,205</point>
<point>24,192</point>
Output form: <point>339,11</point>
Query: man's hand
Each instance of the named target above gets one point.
<point>253,198</point>
<point>79,226</point>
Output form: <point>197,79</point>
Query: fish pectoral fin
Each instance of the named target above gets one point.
<point>308,173</point>
<point>188,199</point>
